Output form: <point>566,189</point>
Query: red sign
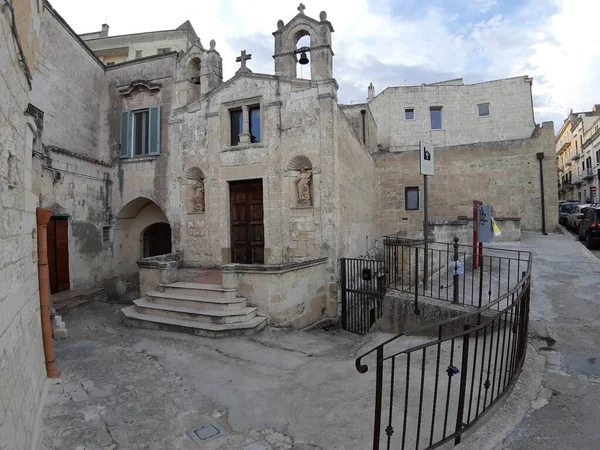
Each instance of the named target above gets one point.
<point>593,188</point>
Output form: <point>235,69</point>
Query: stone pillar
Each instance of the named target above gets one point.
<point>245,134</point>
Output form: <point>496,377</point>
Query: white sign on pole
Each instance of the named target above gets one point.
<point>426,158</point>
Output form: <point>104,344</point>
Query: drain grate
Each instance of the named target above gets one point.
<point>205,433</point>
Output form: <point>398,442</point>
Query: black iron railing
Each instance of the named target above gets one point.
<point>430,390</point>
<point>451,275</point>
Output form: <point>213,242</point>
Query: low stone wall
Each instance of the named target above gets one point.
<point>447,230</point>
<point>290,295</point>
<point>157,270</point>
<point>399,313</point>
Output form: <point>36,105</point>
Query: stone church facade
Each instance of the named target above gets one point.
<point>266,177</point>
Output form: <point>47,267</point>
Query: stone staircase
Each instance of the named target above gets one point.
<point>201,309</point>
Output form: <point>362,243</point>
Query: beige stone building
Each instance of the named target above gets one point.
<point>577,153</point>
<point>117,49</point>
<point>22,371</point>
<point>157,169</point>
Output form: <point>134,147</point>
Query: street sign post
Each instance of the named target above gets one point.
<point>427,169</point>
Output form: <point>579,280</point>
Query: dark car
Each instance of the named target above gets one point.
<point>589,226</point>
<point>563,210</point>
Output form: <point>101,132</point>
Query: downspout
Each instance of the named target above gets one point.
<point>540,157</point>
<point>43,217</point>
<point>363,112</point>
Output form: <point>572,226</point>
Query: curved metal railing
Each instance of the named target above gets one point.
<point>430,390</point>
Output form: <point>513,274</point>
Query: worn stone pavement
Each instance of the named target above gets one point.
<point>126,388</point>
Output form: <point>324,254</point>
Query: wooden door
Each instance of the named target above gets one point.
<point>247,227</point>
<point>58,255</point>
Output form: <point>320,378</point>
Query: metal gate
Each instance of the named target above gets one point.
<point>363,288</point>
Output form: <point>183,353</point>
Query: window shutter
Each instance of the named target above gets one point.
<point>125,136</point>
<point>154,131</point>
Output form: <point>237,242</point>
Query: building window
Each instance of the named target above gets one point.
<point>483,110</point>
<point>237,124</point>
<point>138,54</point>
<point>162,51</point>
<point>409,114</point>
<point>435,115</point>
<point>411,198</point>
<point>111,63</point>
<point>106,233</point>
<point>140,132</point>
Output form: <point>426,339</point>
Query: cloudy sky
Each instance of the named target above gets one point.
<point>395,42</point>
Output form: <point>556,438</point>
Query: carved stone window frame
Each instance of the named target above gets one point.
<point>226,107</point>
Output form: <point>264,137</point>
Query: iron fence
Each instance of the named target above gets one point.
<point>451,275</point>
<point>430,393</point>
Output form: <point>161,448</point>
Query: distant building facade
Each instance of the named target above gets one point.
<point>577,153</point>
<point>117,49</point>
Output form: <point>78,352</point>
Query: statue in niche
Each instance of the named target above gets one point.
<point>303,187</point>
<point>198,197</point>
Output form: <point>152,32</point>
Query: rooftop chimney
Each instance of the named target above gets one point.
<point>371,91</point>
<point>104,31</point>
<point>596,107</point>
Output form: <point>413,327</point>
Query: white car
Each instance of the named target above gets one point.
<point>575,216</point>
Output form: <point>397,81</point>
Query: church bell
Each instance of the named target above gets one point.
<point>303,58</point>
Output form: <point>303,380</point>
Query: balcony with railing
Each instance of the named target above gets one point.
<point>588,174</point>
<point>577,179</point>
<point>574,155</point>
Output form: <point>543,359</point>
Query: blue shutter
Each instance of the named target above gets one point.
<point>154,131</point>
<point>125,135</point>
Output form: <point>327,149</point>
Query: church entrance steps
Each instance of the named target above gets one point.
<point>143,306</point>
<point>197,308</point>
<point>192,301</point>
<point>199,289</point>
<point>133,318</point>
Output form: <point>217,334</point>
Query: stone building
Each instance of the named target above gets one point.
<point>117,49</point>
<point>22,372</point>
<point>577,153</point>
<point>157,167</point>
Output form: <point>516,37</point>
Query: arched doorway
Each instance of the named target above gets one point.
<point>156,240</point>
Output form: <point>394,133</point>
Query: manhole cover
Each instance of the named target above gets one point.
<point>205,433</point>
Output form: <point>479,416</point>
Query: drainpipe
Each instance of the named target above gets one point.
<point>363,112</point>
<point>43,217</point>
<point>540,157</point>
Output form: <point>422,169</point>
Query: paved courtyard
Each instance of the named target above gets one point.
<point>124,388</point>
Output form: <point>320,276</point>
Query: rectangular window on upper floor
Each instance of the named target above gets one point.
<point>435,116</point>
<point>138,54</point>
<point>409,114</point>
<point>411,198</point>
<point>236,117</point>
<point>483,110</point>
<point>140,132</point>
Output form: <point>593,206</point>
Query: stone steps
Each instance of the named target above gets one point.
<point>200,309</point>
<point>143,306</point>
<point>135,319</point>
<point>191,301</point>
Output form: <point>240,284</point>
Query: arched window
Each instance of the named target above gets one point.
<point>194,70</point>
<point>303,70</point>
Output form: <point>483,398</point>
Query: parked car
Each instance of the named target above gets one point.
<point>589,226</point>
<point>575,216</point>
<point>563,210</point>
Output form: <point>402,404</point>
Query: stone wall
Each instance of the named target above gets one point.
<point>71,167</point>
<point>355,115</point>
<point>510,103</point>
<point>22,371</point>
<point>290,295</point>
<point>503,174</point>
<point>355,172</point>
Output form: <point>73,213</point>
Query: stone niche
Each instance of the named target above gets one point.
<point>194,191</point>
<point>301,169</point>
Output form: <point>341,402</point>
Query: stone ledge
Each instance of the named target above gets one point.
<point>272,268</point>
<point>161,261</point>
<point>136,159</point>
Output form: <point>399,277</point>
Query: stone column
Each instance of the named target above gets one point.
<point>245,134</point>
